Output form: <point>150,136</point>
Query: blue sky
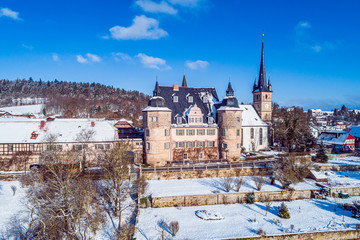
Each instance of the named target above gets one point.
<point>311,47</point>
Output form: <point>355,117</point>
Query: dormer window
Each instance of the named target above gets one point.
<point>204,100</point>
<point>178,120</point>
<point>190,99</point>
<point>175,99</point>
<point>210,120</point>
<point>34,135</point>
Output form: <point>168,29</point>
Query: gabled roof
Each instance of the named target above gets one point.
<point>180,107</point>
<point>355,131</point>
<point>250,118</point>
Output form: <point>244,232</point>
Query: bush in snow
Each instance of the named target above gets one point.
<point>261,232</point>
<point>250,198</point>
<point>174,227</point>
<point>13,188</point>
<point>259,182</point>
<point>284,211</point>
<point>355,210</point>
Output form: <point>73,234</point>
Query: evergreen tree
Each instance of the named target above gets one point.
<point>284,211</point>
<point>321,154</point>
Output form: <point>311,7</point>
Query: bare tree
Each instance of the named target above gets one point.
<point>238,182</point>
<point>85,136</point>
<point>116,187</point>
<point>268,199</point>
<point>174,227</point>
<point>259,182</point>
<point>13,188</point>
<point>227,183</point>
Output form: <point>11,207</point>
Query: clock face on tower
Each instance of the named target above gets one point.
<point>266,106</point>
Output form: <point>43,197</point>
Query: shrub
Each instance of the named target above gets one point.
<point>13,188</point>
<point>259,182</point>
<point>238,182</point>
<point>174,227</point>
<point>261,232</point>
<point>227,183</point>
<point>250,198</point>
<point>284,211</point>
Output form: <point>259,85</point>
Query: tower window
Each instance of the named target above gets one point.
<point>238,119</point>
<point>147,132</point>
<point>155,119</point>
<point>185,156</point>
<point>222,132</point>
<point>261,136</point>
<point>166,132</point>
<point>251,132</point>
<point>167,145</point>
<point>237,132</point>
<point>148,146</point>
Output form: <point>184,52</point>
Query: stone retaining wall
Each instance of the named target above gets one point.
<point>226,198</point>
<point>329,235</point>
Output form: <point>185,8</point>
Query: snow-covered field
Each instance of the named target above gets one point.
<point>10,205</point>
<point>344,179</point>
<point>343,161</point>
<point>25,109</point>
<point>306,216</point>
<point>203,186</point>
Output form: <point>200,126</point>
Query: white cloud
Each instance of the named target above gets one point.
<point>185,3</point>
<point>55,57</point>
<point>122,56</point>
<point>142,28</point>
<point>27,46</point>
<point>154,7</point>
<point>153,62</point>
<point>93,57</point>
<point>6,12</point>
<point>89,57</point>
<point>197,64</point>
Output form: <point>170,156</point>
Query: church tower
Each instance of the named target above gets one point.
<point>262,92</point>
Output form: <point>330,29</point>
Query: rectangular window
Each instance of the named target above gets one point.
<point>31,147</point>
<point>210,144</point>
<point>166,132</point>
<point>200,144</point>
<point>238,145</point>
<point>155,119</point>
<point>191,120</point>
<point>200,131</point>
<point>251,133</point>
<point>190,144</point>
<point>238,119</point>
<point>222,132</point>
<point>224,145</point>
<point>185,155</point>
<point>180,144</point>
<point>198,120</point>
<point>147,132</point>
<point>190,132</point>
<point>204,100</point>
<point>178,120</point>
<point>237,132</point>
<point>211,132</point>
<point>148,146</point>
<point>261,136</point>
<point>167,145</point>
<point>10,147</point>
<point>180,132</point>
<point>150,119</point>
<point>175,99</point>
<point>190,99</point>
<point>107,146</point>
<point>99,146</point>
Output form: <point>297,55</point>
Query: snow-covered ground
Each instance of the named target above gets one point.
<point>10,205</point>
<point>306,216</point>
<point>344,179</point>
<point>343,161</point>
<point>202,186</point>
<point>25,109</point>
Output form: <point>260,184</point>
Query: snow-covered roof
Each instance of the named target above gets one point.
<point>22,110</point>
<point>332,139</point>
<point>250,118</point>
<point>65,130</point>
<point>355,131</point>
<point>149,108</point>
<point>225,108</point>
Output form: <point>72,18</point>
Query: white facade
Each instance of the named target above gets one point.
<point>254,130</point>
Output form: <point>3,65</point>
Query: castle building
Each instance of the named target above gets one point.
<point>184,123</point>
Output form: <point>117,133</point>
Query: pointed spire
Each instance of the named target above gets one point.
<point>184,84</point>
<point>229,91</point>
<point>262,85</point>
<point>156,91</point>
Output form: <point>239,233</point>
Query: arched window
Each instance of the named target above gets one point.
<point>251,132</point>
<point>261,136</point>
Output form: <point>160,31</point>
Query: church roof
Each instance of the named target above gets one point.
<point>262,85</point>
<point>250,118</point>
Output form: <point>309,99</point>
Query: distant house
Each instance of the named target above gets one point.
<point>126,129</point>
<point>355,132</point>
<point>318,176</point>
<point>339,141</point>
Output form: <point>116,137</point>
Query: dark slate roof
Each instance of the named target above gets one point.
<point>178,108</point>
<point>262,85</point>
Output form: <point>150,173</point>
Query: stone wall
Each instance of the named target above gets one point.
<point>226,198</point>
<point>232,172</point>
<point>329,235</point>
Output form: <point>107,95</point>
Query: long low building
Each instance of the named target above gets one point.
<point>23,140</point>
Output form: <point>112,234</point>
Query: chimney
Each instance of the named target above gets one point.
<point>175,87</point>
<point>42,124</point>
<point>93,124</point>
